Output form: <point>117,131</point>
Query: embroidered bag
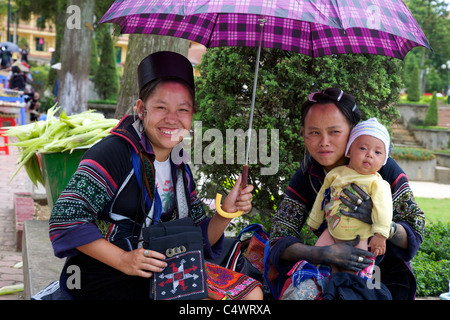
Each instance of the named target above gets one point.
<point>251,257</point>
<point>182,244</point>
<point>181,241</point>
<point>257,252</point>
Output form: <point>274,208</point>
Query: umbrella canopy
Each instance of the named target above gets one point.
<point>10,46</point>
<point>313,28</point>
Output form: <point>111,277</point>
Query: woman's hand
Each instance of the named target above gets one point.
<point>343,255</point>
<point>361,207</point>
<point>141,262</point>
<point>346,256</point>
<point>237,199</point>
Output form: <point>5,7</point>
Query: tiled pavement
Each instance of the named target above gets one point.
<point>9,256</point>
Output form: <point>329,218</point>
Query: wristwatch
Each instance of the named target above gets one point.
<point>393,230</point>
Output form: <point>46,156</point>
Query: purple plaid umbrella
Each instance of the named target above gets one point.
<point>310,27</point>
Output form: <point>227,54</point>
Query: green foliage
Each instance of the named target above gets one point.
<point>111,101</point>
<point>94,63</point>
<point>431,117</point>
<point>106,80</point>
<point>432,17</point>
<point>425,99</point>
<point>23,42</point>
<point>285,79</point>
<point>414,93</point>
<point>431,265</point>
<point>434,80</point>
<point>405,153</point>
<point>40,84</point>
<point>411,60</point>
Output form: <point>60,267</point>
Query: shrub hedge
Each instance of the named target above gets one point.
<point>431,265</point>
<point>405,153</point>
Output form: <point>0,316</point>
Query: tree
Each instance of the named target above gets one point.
<point>284,82</point>
<point>106,80</point>
<point>93,66</point>
<point>432,17</point>
<point>140,46</point>
<point>75,56</point>
<point>55,13</point>
<point>414,92</point>
<point>432,115</point>
<point>434,81</point>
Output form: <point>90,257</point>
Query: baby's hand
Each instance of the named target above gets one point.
<point>378,244</point>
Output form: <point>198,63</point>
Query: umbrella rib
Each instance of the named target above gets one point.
<point>212,30</point>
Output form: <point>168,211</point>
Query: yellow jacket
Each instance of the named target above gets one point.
<point>328,204</point>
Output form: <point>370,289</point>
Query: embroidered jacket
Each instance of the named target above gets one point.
<point>103,198</point>
<point>301,194</point>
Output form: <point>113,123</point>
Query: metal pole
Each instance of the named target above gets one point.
<point>250,123</point>
<point>255,81</point>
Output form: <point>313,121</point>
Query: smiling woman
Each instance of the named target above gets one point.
<point>128,182</point>
<point>167,116</point>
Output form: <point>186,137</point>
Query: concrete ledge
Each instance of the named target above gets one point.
<point>418,170</point>
<point>443,159</point>
<point>108,110</point>
<point>40,266</point>
<point>432,139</point>
<point>443,175</point>
<point>23,210</point>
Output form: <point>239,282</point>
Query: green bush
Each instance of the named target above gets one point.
<point>404,153</point>
<point>414,93</point>
<point>106,80</point>
<point>284,82</point>
<point>108,101</point>
<point>432,115</point>
<point>94,63</point>
<point>431,265</point>
<point>425,99</point>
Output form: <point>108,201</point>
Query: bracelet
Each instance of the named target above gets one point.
<point>393,230</point>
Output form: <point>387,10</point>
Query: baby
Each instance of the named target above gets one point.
<point>368,149</point>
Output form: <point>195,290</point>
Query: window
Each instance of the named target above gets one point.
<point>39,44</point>
<point>118,54</point>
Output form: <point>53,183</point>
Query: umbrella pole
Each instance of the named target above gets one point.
<point>255,81</point>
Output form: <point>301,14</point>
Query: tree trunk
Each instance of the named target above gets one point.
<point>75,56</point>
<point>140,46</point>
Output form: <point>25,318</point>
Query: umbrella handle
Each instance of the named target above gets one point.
<point>244,176</point>
<point>225,214</point>
<point>229,215</point>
